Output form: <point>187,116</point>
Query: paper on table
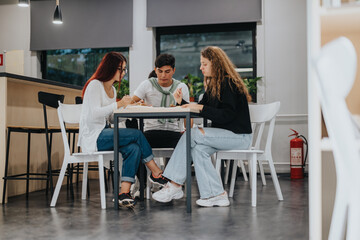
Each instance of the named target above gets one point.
<point>136,109</point>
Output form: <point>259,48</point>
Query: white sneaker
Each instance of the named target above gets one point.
<point>221,200</point>
<point>168,193</point>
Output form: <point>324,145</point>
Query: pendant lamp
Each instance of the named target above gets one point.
<point>57,14</point>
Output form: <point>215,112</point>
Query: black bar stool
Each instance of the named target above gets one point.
<point>46,99</point>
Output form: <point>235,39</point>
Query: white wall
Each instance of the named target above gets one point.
<point>15,35</point>
<point>281,56</point>
<point>281,46</point>
<point>142,53</point>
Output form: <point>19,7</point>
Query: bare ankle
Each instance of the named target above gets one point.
<point>156,174</point>
<point>175,184</point>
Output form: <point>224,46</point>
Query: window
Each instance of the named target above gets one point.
<point>185,43</point>
<point>75,66</point>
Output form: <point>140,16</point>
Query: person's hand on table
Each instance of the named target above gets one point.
<point>140,103</point>
<point>193,106</point>
<point>126,100</point>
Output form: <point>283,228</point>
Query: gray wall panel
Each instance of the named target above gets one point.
<point>86,24</point>
<point>162,13</point>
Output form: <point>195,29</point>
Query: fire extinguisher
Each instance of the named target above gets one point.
<point>297,160</point>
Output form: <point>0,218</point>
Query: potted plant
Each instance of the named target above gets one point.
<point>124,89</point>
<point>251,84</point>
<point>195,85</point>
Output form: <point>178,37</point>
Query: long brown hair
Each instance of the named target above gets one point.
<point>107,68</point>
<point>221,68</point>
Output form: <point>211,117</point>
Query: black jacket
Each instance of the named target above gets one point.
<point>231,112</point>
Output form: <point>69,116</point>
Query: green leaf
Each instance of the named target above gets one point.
<point>195,85</point>
<point>124,88</point>
<point>251,85</point>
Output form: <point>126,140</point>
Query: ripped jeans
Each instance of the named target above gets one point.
<point>202,147</point>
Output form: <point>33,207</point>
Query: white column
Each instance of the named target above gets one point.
<point>142,53</point>
<point>314,130</point>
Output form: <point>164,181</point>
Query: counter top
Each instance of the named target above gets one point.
<point>39,80</point>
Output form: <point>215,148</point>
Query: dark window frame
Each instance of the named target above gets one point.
<point>210,28</point>
<point>43,64</point>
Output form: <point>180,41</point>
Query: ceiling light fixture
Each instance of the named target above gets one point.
<point>24,3</point>
<point>57,14</point>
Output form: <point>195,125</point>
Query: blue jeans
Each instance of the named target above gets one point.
<point>202,147</point>
<point>133,147</point>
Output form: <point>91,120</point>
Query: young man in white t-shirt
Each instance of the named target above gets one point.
<point>157,92</point>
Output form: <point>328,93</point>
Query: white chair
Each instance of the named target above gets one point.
<point>70,114</point>
<point>259,115</point>
<point>336,68</point>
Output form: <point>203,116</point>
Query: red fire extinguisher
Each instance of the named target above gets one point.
<point>297,160</point>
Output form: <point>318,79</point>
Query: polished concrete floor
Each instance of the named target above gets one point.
<point>83,219</point>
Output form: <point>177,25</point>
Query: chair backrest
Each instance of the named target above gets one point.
<point>50,100</point>
<point>260,114</point>
<point>68,113</point>
<point>336,68</point>
<point>78,100</point>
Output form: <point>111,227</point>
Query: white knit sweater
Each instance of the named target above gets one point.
<point>97,108</point>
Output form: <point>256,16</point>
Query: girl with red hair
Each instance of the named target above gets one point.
<point>99,103</point>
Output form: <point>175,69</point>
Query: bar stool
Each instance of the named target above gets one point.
<point>46,99</point>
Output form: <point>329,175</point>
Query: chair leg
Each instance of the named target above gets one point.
<point>6,166</point>
<point>253,180</point>
<point>102,183</point>
<point>233,178</point>
<point>250,172</point>
<point>85,180</point>
<point>243,170</point>
<point>275,180</point>
<point>106,186</point>
<point>59,183</point>
<point>262,174</point>
<point>77,174</point>
<point>148,184</point>
<point>338,219</point>
<point>142,181</point>
<point>226,178</point>
<point>28,165</point>
<point>353,231</point>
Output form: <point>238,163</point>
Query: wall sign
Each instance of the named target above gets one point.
<point>1,59</point>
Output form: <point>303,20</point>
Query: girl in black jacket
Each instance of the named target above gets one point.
<point>225,103</point>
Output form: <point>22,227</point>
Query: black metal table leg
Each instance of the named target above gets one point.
<point>142,167</point>
<point>116,162</point>
<point>188,163</point>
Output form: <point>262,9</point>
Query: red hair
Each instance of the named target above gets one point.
<point>106,69</point>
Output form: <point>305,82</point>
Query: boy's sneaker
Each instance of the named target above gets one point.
<point>221,200</point>
<point>126,200</point>
<point>160,181</point>
<point>168,193</point>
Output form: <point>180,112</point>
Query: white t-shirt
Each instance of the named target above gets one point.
<point>97,108</point>
<point>153,97</point>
